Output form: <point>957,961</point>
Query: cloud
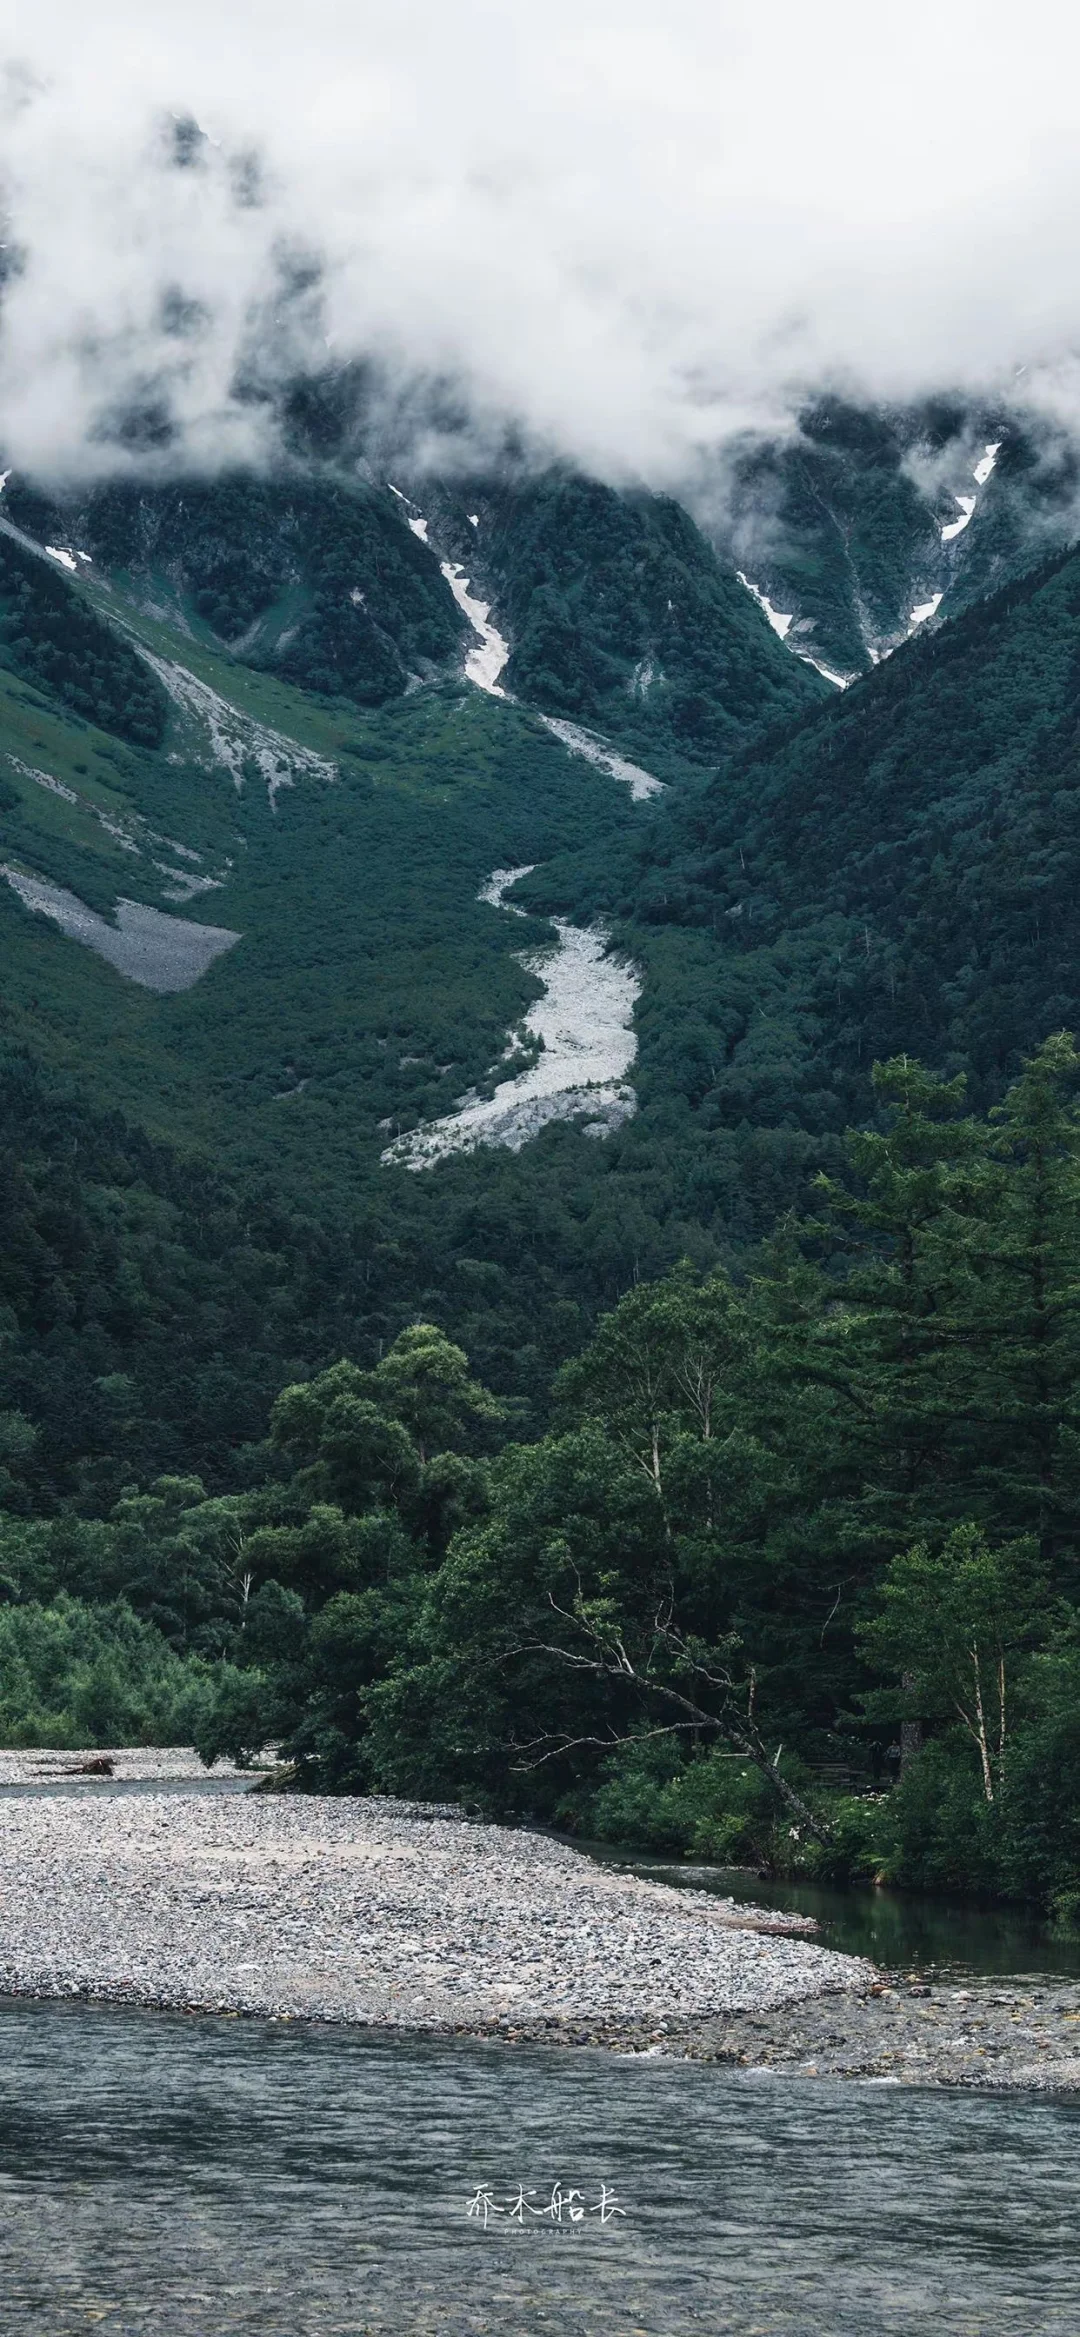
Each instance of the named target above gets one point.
<point>628,230</point>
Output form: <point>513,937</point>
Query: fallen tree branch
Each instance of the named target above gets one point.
<point>610,1660</point>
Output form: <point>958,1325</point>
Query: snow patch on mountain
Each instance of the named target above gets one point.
<point>583,1025</point>
<point>924,610</point>
<point>827,672</point>
<point>966,503</point>
<point>985,465</point>
<point>485,662</point>
<point>780,623</point>
<point>161,953</point>
<point>594,750</point>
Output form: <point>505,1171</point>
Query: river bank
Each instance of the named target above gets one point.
<point>402,1916</point>
<point>371,1912</point>
<point>1024,2035</point>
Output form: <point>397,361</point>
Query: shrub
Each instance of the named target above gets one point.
<point>715,1807</point>
<point>75,1676</point>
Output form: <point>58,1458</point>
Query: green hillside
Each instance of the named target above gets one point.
<point>369,987</point>
<point>904,866</point>
<point>892,872</point>
<point>620,616</point>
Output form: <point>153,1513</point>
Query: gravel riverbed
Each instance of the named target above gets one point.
<point>408,1916</point>
<point>373,1912</point>
<point>131,1765</point>
<point>1023,2033</point>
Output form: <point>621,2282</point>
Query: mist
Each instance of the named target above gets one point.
<point>625,232</point>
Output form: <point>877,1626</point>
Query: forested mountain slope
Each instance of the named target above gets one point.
<point>894,870</point>
<point>904,866</point>
<point>617,611</point>
<point>864,524</point>
<point>316,577</point>
<point>258,935</point>
<point>621,616</point>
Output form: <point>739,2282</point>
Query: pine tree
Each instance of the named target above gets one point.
<point>1023,1324</point>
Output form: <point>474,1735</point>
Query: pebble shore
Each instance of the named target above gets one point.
<point>368,1911</point>
<point>132,1765</point>
<point>408,1916</point>
<point>1021,2034</point>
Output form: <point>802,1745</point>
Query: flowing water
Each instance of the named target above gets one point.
<point>197,2178</point>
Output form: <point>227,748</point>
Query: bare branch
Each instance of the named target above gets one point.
<point>612,1661</point>
<point>609,1743</point>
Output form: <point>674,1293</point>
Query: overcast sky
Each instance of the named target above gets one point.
<point>632,227</point>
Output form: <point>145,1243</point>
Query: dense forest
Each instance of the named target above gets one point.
<point>713,1486</point>
<point>775,1519</point>
<point>52,638</point>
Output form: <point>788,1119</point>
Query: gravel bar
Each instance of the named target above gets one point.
<point>994,2034</point>
<point>132,1765</point>
<point>375,1912</point>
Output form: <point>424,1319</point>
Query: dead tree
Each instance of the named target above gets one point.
<point>675,1673</point>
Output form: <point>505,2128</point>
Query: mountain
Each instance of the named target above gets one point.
<point>315,579</point>
<point>291,899</point>
<point>248,921</point>
<point>899,873</point>
<point>619,613</point>
<point>866,524</point>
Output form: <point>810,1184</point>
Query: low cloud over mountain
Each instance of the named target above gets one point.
<point>622,230</point>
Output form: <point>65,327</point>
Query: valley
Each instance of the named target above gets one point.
<point>448,1014</point>
<point>539,1171</point>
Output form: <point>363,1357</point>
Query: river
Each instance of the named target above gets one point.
<point>186,2177</point>
<point>900,1930</point>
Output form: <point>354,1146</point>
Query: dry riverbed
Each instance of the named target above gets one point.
<point>397,1915</point>
<point>368,1911</point>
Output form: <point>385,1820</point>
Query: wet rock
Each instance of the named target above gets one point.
<point>917,2033</point>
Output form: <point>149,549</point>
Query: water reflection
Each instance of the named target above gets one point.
<point>201,2178</point>
<point>899,1929</point>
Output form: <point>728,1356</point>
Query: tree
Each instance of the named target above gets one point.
<point>340,1552</point>
<point>699,1691</point>
<point>951,1623</point>
<point>1025,1315</point>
